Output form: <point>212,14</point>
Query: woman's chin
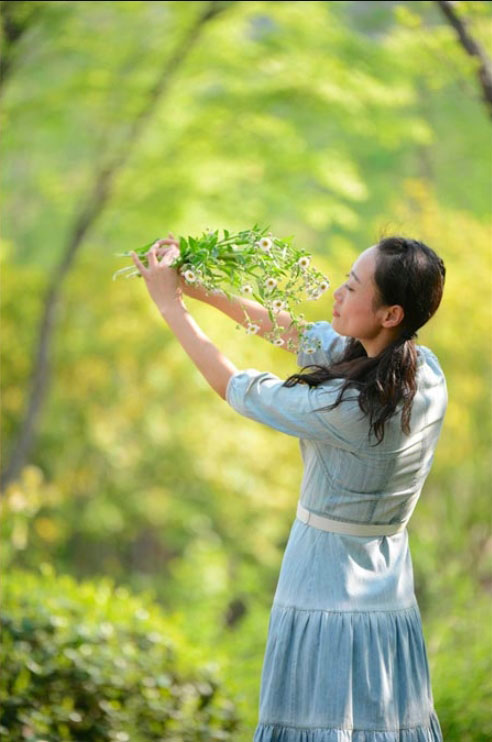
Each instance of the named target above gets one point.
<point>337,325</point>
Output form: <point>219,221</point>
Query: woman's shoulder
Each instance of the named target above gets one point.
<point>428,365</point>
<point>431,381</point>
<point>320,344</point>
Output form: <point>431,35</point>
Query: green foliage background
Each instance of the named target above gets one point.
<point>333,122</point>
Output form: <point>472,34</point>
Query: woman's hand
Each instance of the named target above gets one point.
<point>164,283</point>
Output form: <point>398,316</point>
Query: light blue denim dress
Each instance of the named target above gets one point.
<point>345,658</point>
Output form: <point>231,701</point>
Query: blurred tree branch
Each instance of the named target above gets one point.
<point>16,18</point>
<point>472,47</point>
<point>103,184</point>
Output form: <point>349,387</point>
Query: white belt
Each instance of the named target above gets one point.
<point>350,529</point>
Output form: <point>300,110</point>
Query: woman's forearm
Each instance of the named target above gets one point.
<point>212,364</point>
<point>234,309</point>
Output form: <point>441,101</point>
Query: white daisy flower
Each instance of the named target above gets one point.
<point>189,276</point>
<point>270,282</point>
<point>278,304</point>
<point>252,329</point>
<point>265,243</point>
<point>304,261</point>
<point>310,351</point>
<point>247,289</point>
<point>315,295</point>
<point>278,341</point>
<point>324,286</point>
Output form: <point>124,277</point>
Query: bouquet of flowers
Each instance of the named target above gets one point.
<point>252,263</point>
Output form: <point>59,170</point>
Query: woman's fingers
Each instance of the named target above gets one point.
<point>138,263</point>
<point>162,247</point>
<point>169,240</point>
<point>168,249</point>
<point>152,256</point>
<point>168,254</point>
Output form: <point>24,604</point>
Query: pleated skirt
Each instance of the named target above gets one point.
<point>345,657</point>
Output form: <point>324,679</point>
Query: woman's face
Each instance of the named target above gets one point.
<point>354,314</point>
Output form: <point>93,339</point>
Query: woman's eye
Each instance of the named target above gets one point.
<point>347,275</point>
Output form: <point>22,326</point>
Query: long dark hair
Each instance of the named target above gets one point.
<point>410,274</point>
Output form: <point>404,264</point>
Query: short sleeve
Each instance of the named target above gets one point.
<point>320,345</point>
<point>261,396</point>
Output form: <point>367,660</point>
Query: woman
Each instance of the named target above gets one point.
<point>345,658</point>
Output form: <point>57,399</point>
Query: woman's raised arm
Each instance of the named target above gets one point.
<point>257,313</point>
<point>162,282</point>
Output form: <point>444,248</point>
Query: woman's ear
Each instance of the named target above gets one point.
<point>393,316</point>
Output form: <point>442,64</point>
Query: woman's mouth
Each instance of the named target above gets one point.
<point>335,313</point>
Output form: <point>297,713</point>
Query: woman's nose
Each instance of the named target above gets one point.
<point>337,293</point>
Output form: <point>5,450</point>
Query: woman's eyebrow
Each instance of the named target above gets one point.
<point>356,278</point>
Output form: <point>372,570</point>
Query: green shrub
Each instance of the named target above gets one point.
<point>89,661</point>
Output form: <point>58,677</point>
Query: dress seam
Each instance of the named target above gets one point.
<point>337,727</point>
<point>331,610</point>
